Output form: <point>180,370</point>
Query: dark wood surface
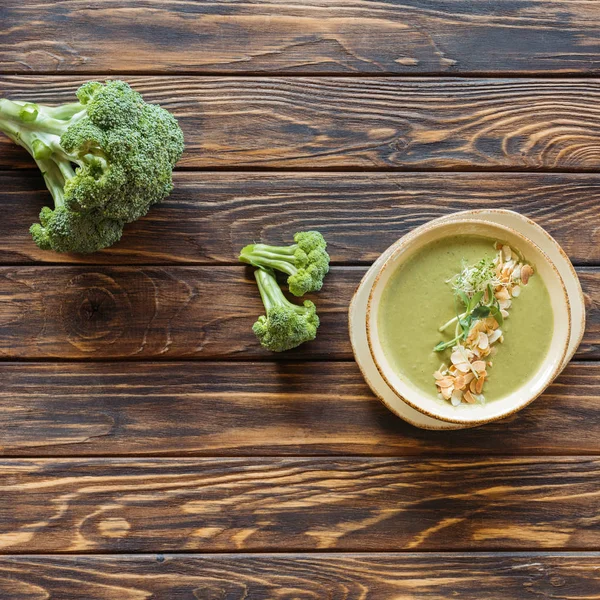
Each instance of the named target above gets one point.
<point>210,215</point>
<point>415,123</point>
<point>150,449</point>
<point>262,409</point>
<point>173,312</point>
<point>361,36</point>
<point>429,576</point>
<point>293,504</point>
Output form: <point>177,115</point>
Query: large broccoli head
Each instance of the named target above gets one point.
<point>285,325</point>
<point>306,262</point>
<point>106,160</point>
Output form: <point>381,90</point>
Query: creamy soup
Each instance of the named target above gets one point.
<point>418,300</point>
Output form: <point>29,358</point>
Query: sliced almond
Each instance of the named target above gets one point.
<point>479,365</point>
<point>457,357</point>
<point>506,252</point>
<point>516,274</point>
<point>526,273</point>
<point>445,383</point>
<point>468,397</point>
<point>516,291</point>
<point>495,336</point>
<point>438,375</point>
<point>507,269</point>
<point>459,382</point>
<point>502,294</point>
<point>505,304</point>
<point>456,397</point>
<point>447,392</point>
<point>473,385</point>
<point>504,313</point>
<point>479,385</point>
<point>464,367</point>
<point>483,341</point>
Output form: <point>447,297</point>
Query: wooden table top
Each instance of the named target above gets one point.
<point>151,449</point>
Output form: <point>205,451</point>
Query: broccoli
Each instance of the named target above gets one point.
<point>286,325</point>
<point>105,159</point>
<point>306,262</point>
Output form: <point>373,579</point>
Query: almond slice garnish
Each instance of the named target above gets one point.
<point>479,385</point>
<point>468,397</point>
<point>502,294</point>
<point>457,357</point>
<point>505,304</point>
<point>506,252</point>
<point>468,377</point>
<point>483,341</point>
<point>479,365</point>
<point>495,336</point>
<point>464,367</point>
<point>516,291</point>
<point>526,273</point>
<point>456,397</point>
<point>459,382</point>
<point>447,392</point>
<point>444,383</point>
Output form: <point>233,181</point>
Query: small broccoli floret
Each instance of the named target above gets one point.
<point>105,159</point>
<point>306,262</point>
<point>285,325</point>
<point>64,230</point>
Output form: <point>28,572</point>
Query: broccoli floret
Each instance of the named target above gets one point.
<point>306,262</point>
<point>285,325</point>
<point>105,159</point>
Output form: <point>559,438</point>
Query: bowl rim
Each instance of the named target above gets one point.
<point>401,245</point>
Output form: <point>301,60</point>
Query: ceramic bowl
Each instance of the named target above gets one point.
<point>472,414</point>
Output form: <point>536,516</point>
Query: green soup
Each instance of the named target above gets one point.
<point>417,300</point>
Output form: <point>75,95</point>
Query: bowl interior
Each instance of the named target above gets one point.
<point>472,413</point>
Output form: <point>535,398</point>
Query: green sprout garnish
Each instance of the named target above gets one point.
<point>474,298</point>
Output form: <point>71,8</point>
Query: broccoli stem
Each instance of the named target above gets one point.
<point>55,180</point>
<point>38,129</point>
<point>271,293</point>
<point>35,117</point>
<point>280,258</point>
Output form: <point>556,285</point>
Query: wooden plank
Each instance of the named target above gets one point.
<point>416,36</point>
<point>263,409</point>
<point>410,576</point>
<point>176,312</point>
<point>368,123</point>
<point>297,504</point>
<point>210,216</point>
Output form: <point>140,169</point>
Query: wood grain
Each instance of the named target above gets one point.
<point>168,313</point>
<point>429,123</point>
<point>275,409</point>
<point>210,216</point>
<point>362,36</point>
<point>409,576</point>
<point>296,504</point>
